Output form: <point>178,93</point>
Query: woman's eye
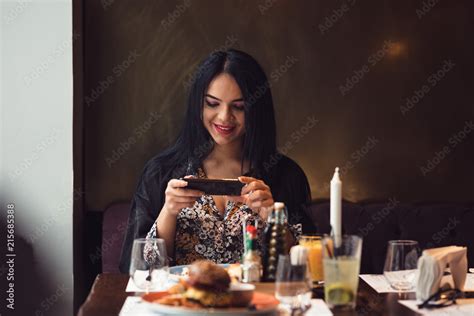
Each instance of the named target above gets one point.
<point>239,106</point>
<point>212,104</point>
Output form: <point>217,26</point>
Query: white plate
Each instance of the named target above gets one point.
<point>175,274</point>
<point>178,269</point>
<point>175,271</point>
<point>174,310</point>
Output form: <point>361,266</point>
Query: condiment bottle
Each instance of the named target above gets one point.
<point>252,262</point>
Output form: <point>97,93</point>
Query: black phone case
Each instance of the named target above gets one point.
<point>215,186</point>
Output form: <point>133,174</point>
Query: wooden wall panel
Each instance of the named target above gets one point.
<point>351,65</point>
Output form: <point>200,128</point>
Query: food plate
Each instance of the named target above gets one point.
<point>265,305</point>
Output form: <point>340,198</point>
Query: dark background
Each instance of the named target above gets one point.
<point>148,50</point>
<point>168,53</point>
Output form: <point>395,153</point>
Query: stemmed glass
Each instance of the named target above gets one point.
<point>293,286</point>
<point>401,263</point>
<point>149,268</point>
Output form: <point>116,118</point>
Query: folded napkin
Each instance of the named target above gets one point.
<point>298,255</point>
<point>431,267</point>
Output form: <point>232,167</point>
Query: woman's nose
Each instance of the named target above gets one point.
<point>225,114</point>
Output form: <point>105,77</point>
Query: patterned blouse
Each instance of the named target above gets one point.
<point>203,233</point>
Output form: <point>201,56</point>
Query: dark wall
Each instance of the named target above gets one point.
<point>350,65</point>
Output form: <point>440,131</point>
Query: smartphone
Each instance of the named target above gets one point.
<point>215,186</point>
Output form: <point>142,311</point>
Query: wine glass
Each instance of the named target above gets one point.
<point>401,263</point>
<point>293,285</point>
<point>149,268</point>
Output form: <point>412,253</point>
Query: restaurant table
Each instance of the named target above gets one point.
<point>108,294</point>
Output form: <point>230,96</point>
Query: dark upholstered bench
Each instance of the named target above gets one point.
<point>431,224</point>
<point>114,227</point>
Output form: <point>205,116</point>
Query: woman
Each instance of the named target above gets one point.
<point>229,132</point>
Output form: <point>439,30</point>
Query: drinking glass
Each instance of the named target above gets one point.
<point>292,286</point>
<point>341,264</point>
<point>401,263</point>
<point>149,268</point>
<point>314,245</point>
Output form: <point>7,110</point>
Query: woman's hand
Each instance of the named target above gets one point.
<point>178,197</point>
<point>257,195</point>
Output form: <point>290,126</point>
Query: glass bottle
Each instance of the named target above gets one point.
<point>274,241</point>
<point>252,262</point>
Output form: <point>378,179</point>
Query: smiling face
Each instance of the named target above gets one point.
<point>223,110</point>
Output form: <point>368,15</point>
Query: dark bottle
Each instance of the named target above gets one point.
<point>274,241</point>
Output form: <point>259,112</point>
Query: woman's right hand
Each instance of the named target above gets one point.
<point>178,197</point>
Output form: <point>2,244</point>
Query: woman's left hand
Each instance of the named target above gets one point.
<point>257,195</point>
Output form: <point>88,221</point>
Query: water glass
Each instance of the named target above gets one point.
<point>314,245</point>
<point>401,263</point>
<point>341,264</point>
<point>149,268</point>
<point>293,286</point>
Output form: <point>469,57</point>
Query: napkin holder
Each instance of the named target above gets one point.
<point>431,267</point>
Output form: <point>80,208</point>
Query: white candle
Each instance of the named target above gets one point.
<point>336,201</point>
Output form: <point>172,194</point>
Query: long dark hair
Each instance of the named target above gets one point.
<point>194,142</point>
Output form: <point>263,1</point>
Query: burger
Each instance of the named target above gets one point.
<point>208,284</point>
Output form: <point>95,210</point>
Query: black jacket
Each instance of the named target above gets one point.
<point>286,179</point>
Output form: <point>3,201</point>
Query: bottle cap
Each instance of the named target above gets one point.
<point>251,230</point>
<point>279,205</point>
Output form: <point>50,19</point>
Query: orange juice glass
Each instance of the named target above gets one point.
<point>314,245</point>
